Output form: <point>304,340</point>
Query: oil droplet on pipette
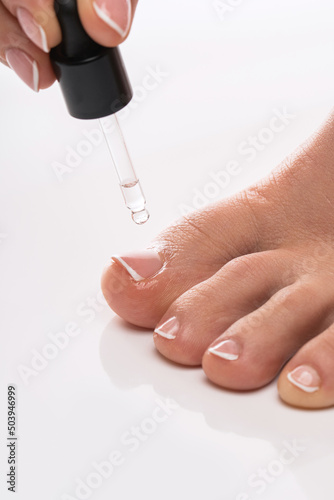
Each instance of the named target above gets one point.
<point>132,192</point>
<point>140,217</point>
<point>135,201</point>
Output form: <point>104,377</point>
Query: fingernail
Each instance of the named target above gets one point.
<point>227,349</point>
<point>115,13</point>
<point>140,265</point>
<point>24,66</point>
<point>305,377</point>
<point>32,29</point>
<point>169,328</point>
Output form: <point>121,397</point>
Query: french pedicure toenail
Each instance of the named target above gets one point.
<point>24,66</point>
<point>227,349</point>
<point>168,329</point>
<point>116,14</point>
<point>140,265</point>
<point>32,29</point>
<point>305,377</point>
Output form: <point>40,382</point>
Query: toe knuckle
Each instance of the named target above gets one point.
<point>300,296</point>
<point>245,266</point>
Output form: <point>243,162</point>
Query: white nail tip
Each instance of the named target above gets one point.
<point>35,75</point>
<point>168,328</point>
<point>43,39</point>
<point>301,386</point>
<point>102,14</point>
<point>224,355</point>
<point>164,334</point>
<point>129,269</point>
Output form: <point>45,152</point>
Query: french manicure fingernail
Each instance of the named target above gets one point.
<point>227,349</point>
<point>140,265</point>
<point>305,377</point>
<point>168,329</point>
<point>32,29</point>
<point>24,66</point>
<point>115,13</point>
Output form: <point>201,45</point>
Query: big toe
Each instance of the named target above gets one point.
<point>141,286</point>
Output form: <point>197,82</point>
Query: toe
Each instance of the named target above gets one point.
<point>307,380</point>
<point>251,353</point>
<point>140,287</point>
<point>205,311</point>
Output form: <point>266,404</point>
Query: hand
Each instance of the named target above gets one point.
<point>29,29</point>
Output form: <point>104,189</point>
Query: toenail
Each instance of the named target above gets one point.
<point>227,349</point>
<point>169,328</point>
<point>305,377</point>
<point>140,265</point>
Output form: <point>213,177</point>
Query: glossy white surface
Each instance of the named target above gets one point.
<point>223,80</point>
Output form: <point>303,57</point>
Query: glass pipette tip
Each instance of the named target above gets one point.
<point>130,186</point>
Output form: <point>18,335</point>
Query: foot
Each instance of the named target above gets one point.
<point>245,287</point>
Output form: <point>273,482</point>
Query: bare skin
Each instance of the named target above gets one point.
<point>256,269</point>
<point>245,287</point>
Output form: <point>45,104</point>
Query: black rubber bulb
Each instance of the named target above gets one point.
<point>93,78</point>
<point>75,43</point>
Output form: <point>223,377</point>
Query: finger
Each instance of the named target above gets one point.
<point>108,22</point>
<point>38,20</point>
<point>16,51</point>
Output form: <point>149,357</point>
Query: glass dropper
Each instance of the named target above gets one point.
<point>131,189</point>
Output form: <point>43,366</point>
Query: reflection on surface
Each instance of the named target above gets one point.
<point>130,359</point>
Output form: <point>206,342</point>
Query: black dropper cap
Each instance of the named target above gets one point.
<point>92,78</point>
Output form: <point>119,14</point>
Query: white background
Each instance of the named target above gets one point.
<point>225,78</point>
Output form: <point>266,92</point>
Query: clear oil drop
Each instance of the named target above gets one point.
<point>135,201</point>
<point>131,189</point>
